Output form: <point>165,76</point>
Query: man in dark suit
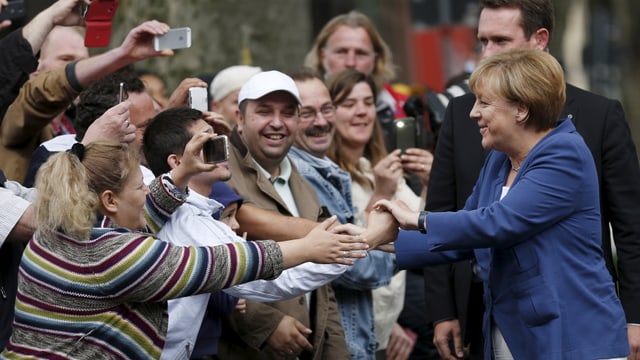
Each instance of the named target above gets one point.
<point>453,296</point>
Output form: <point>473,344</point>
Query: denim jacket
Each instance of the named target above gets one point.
<point>332,184</point>
<point>353,288</point>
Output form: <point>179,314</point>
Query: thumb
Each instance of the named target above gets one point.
<point>328,222</point>
<point>166,52</point>
<point>303,329</point>
<point>458,346</point>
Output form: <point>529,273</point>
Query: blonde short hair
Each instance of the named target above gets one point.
<point>532,78</point>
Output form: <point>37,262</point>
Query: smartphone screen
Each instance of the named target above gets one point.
<point>406,133</point>
<point>216,150</point>
<point>178,38</point>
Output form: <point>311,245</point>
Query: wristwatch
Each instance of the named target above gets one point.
<point>422,222</point>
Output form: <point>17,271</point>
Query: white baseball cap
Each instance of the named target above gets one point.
<point>267,82</point>
<point>231,79</point>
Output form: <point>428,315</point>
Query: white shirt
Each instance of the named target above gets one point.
<point>192,224</point>
<point>14,200</point>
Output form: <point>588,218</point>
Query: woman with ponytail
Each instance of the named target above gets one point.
<point>87,292</point>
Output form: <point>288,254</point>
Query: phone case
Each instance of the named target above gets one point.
<point>98,19</point>
<point>179,38</point>
<point>216,150</point>
<point>14,10</point>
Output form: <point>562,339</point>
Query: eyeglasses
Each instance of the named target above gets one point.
<point>308,115</point>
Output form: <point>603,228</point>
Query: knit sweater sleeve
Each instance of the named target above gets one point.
<point>159,270</point>
<point>164,198</point>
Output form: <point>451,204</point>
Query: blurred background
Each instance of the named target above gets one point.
<point>598,41</point>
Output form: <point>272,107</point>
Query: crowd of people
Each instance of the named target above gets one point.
<point>317,239</point>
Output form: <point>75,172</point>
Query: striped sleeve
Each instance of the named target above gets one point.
<point>163,200</point>
<point>147,269</point>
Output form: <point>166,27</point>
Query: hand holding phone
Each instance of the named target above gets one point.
<point>178,38</point>
<point>216,150</point>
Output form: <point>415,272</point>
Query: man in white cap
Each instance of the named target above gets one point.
<point>225,87</point>
<point>304,327</point>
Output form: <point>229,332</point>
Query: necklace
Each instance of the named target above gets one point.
<point>515,169</point>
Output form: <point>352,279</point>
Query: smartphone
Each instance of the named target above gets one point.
<point>198,99</point>
<point>14,10</point>
<point>178,38</point>
<point>406,133</point>
<point>98,18</point>
<point>216,150</point>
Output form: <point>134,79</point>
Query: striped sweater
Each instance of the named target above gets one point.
<point>105,297</point>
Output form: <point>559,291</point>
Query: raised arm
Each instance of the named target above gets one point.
<point>61,12</point>
<point>138,45</point>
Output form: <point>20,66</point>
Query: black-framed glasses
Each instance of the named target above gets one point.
<point>327,111</point>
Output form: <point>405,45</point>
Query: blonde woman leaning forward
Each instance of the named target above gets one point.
<point>100,292</point>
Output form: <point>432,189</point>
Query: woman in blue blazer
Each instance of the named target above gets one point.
<point>532,223</point>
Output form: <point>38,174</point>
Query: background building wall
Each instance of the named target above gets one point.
<point>272,34</point>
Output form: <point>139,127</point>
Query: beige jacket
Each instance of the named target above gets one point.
<point>245,335</point>
<point>26,123</point>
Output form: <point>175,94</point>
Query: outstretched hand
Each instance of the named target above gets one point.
<point>325,246</point>
<point>382,228</point>
<point>406,218</point>
<point>381,232</point>
<point>321,245</point>
<point>347,228</point>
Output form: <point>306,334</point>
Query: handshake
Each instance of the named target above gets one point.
<point>384,222</point>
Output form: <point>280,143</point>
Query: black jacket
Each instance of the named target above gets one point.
<point>16,63</point>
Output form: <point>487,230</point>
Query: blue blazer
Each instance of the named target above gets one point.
<point>538,252</point>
